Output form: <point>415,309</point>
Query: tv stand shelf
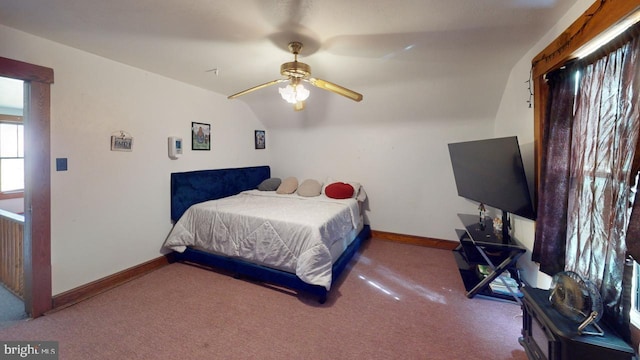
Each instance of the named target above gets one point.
<point>481,245</point>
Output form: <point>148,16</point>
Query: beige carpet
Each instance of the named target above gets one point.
<point>396,302</point>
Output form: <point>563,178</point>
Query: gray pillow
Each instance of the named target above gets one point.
<point>270,184</point>
<point>288,186</point>
<point>310,188</point>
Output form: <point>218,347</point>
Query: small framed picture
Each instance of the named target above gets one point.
<point>200,136</point>
<point>260,139</point>
<point>121,143</point>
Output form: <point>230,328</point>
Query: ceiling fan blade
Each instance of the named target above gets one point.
<point>261,86</point>
<point>340,90</point>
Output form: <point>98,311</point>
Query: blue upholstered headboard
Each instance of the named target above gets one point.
<point>192,187</point>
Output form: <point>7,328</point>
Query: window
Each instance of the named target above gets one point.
<point>11,137</point>
<point>634,314</point>
<point>11,157</point>
<point>600,15</point>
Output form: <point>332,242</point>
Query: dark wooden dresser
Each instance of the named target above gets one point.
<point>548,335</point>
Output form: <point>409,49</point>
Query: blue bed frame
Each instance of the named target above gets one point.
<point>188,188</point>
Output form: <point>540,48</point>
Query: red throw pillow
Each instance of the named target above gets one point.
<point>339,190</point>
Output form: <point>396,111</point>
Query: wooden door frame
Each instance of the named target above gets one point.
<point>599,17</point>
<point>37,247</point>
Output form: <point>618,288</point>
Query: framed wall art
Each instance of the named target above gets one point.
<point>200,136</point>
<point>123,141</point>
<point>260,139</point>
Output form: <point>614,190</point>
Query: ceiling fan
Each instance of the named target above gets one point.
<point>295,73</point>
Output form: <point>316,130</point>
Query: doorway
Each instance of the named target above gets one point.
<point>37,171</point>
<point>12,307</point>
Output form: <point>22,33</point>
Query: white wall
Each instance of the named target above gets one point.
<point>13,205</point>
<point>110,210</point>
<point>516,118</point>
<point>399,155</point>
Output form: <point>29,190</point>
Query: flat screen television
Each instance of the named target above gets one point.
<point>491,172</point>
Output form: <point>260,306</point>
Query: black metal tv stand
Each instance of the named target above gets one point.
<point>481,245</point>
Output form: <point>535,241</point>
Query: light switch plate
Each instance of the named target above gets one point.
<point>61,164</point>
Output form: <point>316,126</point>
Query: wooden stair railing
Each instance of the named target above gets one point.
<point>11,252</point>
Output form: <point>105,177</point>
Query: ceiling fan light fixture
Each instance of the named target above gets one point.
<point>295,72</point>
<point>299,106</point>
<point>294,93</point>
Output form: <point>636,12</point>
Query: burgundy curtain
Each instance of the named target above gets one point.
<point>633,232</point>
<point>551,223</point>
<point>604,137</point>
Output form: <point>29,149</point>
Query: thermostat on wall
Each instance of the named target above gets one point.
<point>175,147</point>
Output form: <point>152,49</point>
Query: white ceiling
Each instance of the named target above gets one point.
<point>370,46</point>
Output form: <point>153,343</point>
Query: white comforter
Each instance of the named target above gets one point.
<point>287,232</point>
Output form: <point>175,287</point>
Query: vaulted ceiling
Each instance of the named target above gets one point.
<point>414,54</point>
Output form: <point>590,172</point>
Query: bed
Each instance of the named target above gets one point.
<point>301,243</point>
